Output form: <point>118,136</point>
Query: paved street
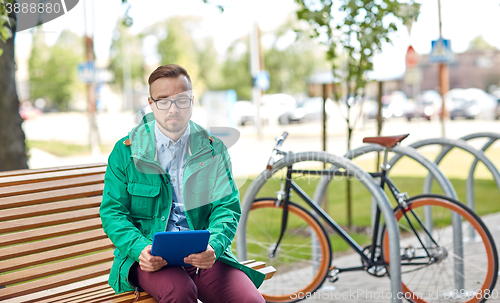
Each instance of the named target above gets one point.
<point>250,153</point>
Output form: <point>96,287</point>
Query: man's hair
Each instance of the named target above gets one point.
<point>168,71</point>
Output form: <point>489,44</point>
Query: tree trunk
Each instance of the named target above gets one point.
<point>12,147</point>
<point>349,185</point>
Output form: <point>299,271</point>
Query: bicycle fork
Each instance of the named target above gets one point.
<point>284,202</point>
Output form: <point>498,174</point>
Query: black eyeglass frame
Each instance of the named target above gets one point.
<point>191,99</point>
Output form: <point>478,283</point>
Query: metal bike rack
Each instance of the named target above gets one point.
<point>352,169</point>
<point>433,169</point>
<point>470,180</point>
<point>448,144</point>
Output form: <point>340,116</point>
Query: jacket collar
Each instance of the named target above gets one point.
<point>143,142</point>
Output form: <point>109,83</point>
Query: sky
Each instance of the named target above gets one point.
<point>462,21</point>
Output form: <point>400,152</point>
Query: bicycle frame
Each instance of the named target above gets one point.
<point>367,262</point>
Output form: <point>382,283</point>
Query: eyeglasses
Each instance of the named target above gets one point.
<point>181,103</point>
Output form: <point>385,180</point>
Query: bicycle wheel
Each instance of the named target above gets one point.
<point>303,257</point>
<point>431,270</point>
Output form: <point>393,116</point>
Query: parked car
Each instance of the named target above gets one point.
<point>428,104</point>
<point>274,108</point>
<point>497,110</point>
<point>308,109</point>
<point>394,105</point>
<point>243,112</point>
<point>371,110</point>
<point>496,93</point>
<point>28,111</point>
<point>472,103</point>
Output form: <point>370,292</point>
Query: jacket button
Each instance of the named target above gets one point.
<point>163,218</point>
<point>201,163</point>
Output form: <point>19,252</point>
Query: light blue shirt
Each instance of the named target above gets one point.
<point>172,157</point>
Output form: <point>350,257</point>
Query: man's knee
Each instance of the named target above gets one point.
<point>178,293</point>
<point>253,297</point>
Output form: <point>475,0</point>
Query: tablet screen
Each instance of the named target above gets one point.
<point>174,246</point>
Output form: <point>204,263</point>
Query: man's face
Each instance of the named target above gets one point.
<point>172,120</point>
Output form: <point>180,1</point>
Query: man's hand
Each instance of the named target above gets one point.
<point>202,260</point>
<point>150,263</point>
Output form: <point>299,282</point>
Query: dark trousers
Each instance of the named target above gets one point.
<point>220,284</point>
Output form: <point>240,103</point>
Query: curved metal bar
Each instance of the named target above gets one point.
<point>470,185</point>
<point>362,176</point>
<point>400,151</point>
<point>448,144</point>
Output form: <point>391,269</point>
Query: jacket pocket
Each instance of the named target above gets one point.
<point>143,199</point>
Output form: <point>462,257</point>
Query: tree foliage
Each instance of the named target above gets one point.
<point>5,24</point>
<point>479,44</point>
<point>53,70</point>
<point>356,29</point>
<point>126,50</point>
<point>235,70</point>
<point>289,65</point>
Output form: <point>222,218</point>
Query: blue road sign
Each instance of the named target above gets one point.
<point>86,72</point>
<point>261,80</point>
<point>441,51</point>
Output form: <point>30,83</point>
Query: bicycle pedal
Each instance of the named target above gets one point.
<point>333,275</point>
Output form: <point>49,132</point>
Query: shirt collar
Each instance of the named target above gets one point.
<point>162,139</point>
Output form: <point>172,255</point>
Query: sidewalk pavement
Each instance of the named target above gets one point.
<point>359,286</point>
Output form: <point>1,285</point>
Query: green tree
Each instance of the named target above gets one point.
<point>126,51</point>
<point>357,30</point>
<point>235,70</point>
<point>13,147</point>
<point>479,44</point>
<point>178,46</point>
<point>53,70</point>
<point>288,67</point>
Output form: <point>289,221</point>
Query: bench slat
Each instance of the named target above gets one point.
<point>51,244</point>
<point>144,297</point>
<point>268,271</point>
<point>62,292</point>
<point>89,296</point>
<point>55,268</point>
<point>48,220</point>
<point>50,185</point>
<point>52,196</point>
<point>24,172</point>
<point>256,265</point>
<point>55,281</point>
<point>53,255</point>
<point>49,208</point>
<point>55,175</point>
<point>48,232</point>
<point>77,293</point>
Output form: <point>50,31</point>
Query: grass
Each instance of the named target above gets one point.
<point>62,149</point>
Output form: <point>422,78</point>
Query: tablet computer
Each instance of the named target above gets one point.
<point>174,246</point>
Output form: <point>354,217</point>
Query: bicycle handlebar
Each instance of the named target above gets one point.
<point>279,142</point>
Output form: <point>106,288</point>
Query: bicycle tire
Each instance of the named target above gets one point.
<point>435,281</point>
<point>294,261</point>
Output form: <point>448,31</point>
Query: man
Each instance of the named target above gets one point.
<point>170,174</point>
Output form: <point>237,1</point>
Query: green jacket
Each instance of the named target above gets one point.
<point>137,198</point>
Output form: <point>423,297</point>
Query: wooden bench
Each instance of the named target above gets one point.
<point>52,246</point>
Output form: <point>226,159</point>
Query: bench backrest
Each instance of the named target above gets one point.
<point>50,231</point>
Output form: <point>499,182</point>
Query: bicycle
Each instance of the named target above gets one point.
<point>434,259</point>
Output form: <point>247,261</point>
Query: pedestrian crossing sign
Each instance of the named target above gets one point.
<point>441,51</point>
